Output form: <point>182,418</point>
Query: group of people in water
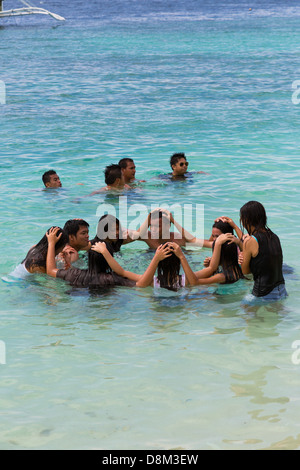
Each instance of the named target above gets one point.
<point>123,175</point>
<point>234,254</point>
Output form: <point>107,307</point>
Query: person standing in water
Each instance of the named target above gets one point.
<point>35,261</point>
<point>167,261</point>
<point>155,231</point>
<point>100,267</point>
<point>224,255</point>
<point>164,262</point>
<point>262,253</point>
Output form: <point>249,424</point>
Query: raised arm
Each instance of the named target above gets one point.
<point>214,261</point>
<point>139,234</point>
<point>101,248</point>
<point>189,273</point>
<point>188,237</point>
<point>223,238</point>
<point>192,278</point>
<point>53,238</point>
<point>206,275</point>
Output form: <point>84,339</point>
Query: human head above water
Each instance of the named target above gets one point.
<point>253,217</point>
<point>160,225</point>
<point>109,228</point>
<point>36,257</point>
<point>179,164</point>
<point>220,227</point>
<point>78,232</point>
<point>113,175</point>
<point>128,169</point>
<point>51,179</point>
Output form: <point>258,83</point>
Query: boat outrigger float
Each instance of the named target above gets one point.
<point>27,10</point>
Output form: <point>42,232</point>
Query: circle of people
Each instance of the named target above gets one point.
<point>237,251</point>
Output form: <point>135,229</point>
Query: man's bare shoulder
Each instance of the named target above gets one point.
<point>100,191</point>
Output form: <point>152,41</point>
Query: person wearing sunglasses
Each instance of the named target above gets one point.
<point>179,165</point>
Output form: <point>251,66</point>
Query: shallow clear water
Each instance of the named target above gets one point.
<point>130,369</point>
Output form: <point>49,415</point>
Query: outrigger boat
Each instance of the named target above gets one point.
<point>27,10</point>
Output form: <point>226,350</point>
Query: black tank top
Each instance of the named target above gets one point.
<point>266,267</point>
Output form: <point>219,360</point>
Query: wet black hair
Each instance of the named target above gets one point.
<point>224,227</point>
<point>47,176</point>
<point>37,255</point>
<point>112,173</point>
<point>168,273</point>
<point>97,264</point>
<point>109,223</point>
<point>253,214</point>
<point>72,226</point>
<point>229,262</point>
<point>98,275</point>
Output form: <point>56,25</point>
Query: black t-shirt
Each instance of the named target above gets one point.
<point>84,278</point>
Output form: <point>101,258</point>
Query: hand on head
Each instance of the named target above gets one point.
<point>52,235</point>
<point>175,248</point>
<point>163,252</point>
<point>226,237</point>
<point>69,255</point>
<point>225,219</point>
<point>99,247</point>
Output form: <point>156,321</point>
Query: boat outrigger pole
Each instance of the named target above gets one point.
<point>28,10</point>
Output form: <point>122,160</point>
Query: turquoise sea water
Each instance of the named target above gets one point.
<point>130,369</point>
